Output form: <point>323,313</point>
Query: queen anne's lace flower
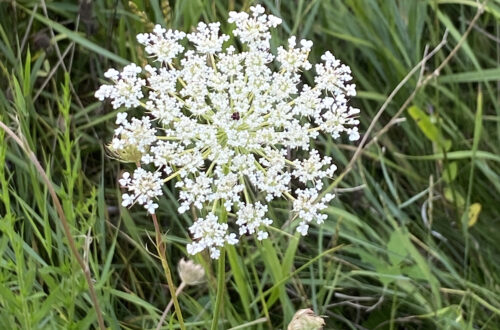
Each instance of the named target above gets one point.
<point>253,29</point>
<point>224,124</point>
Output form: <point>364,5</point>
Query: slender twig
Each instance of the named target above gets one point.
<point>53,71</point>
<point>71,57</point>
<point>160,246</point>
<point>169,305</point>
<point>384,106</point>
<point>348,297</point>
<point>58,53</point>
<point>351,189</point>
<point>62,218</point>
<point>63,65</point>
<point>28,29</point>
<point>247,325</point>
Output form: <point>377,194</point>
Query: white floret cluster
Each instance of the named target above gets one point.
<point>222,123</point>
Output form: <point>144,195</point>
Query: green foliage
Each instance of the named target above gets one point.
<point>413,245</point>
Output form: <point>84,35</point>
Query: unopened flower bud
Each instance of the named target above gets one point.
<point>191,273</point>
<point>305,319</point>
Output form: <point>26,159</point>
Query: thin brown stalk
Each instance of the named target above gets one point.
<point>28,29</point>
<point>53,71</point>
<point>76,96</point>
<point>160,246</point>
<point>384,106</point>
<point>169,305</point>
<point>59,55</point>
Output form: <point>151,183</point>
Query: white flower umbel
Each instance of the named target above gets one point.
<point>127,88</point>
<point>162,44</point>
<point>309,209</point>
<point>143,187</point>
<point>209,234</point>
<point>251,219</point>
<point>223,124</point>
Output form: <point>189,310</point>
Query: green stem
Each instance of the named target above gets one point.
<point>168,274</point>
<point>221,269</point>
<point>221,277</point>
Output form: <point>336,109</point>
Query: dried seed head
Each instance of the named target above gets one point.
<point>191,273</point>
<point>305,319</point>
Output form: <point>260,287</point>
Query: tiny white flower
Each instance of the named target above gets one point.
<point>121,118</point>
<point>303,228</point>
<point>251,219</point>
<point>295,59</point>
<point>125,180</point>
<point>261,235</point>
<point>127,88</point>
<point>127,200</point>
<point>231,239</point>
<point>151,207</point>
<point>112,74</point>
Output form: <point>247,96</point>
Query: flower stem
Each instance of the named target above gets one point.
<point>161,251</point>
<point>221,269</point>
<point>221,278</point>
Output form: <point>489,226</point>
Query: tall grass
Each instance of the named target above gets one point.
<point>401,247</point>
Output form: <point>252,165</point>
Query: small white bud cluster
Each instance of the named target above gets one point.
<point>222,123</point>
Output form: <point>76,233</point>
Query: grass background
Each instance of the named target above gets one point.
<point>399,251</point>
